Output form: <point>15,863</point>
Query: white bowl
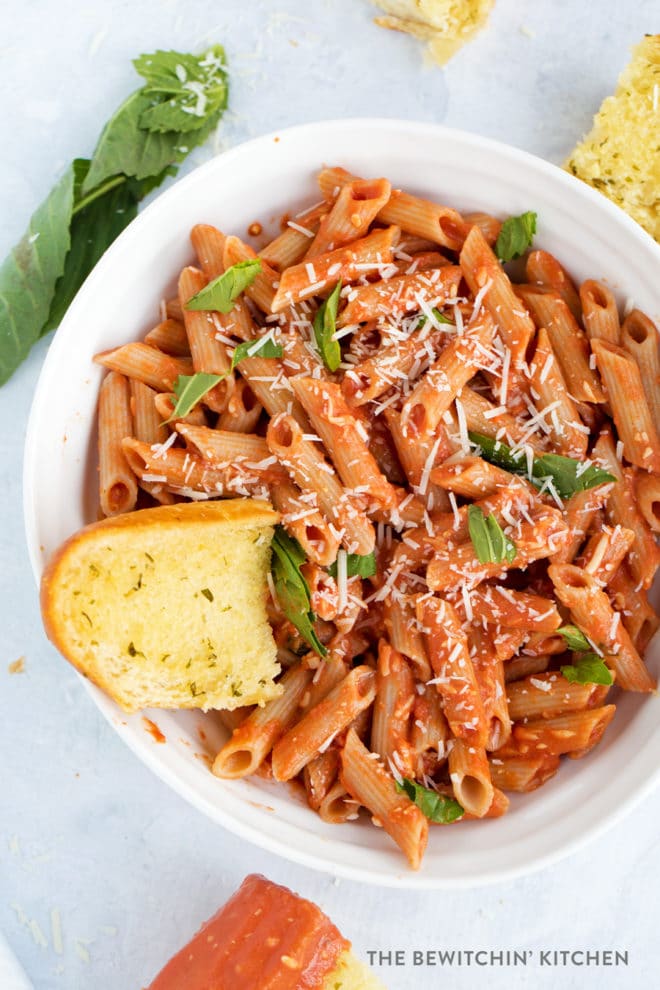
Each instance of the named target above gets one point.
<point>260,180</point>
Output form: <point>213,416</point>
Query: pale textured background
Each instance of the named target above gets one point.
<point>84,828</point>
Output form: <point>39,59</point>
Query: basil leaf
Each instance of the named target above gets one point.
<point>516,236</point>
<point>440,317</point>
<point>357,565</point>
<point>189,389</point>
<point>291,588</point>
<point>29,274</point>
<point>503,547</point>
<point>220,294</point>
<point>563,472</point>
<point>98,219</point>
<point>575,639</point>
<point>490,543</point>
<point>588,669</point>
<point>260,347</point>
<point>437,807</point>
<point>140,140</point>
<point>325,324</point>
<point>189,89</point>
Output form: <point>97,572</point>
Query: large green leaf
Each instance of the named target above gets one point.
<point>29,274</point>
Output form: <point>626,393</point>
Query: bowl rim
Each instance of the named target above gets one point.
<point>406,879</point>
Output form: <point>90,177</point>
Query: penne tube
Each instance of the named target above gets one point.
<point>469,773</point>
<point>309,470</point>
<point>460,565</point>
<point>344,438</point>
<point>546,695</point>
<point>345,264</point>
<point>232,718</point>
<point>418,459</point>
<point>502,606</point>
<point>254,738</point>
<point>373,787</point>
<point>306,523</point>
<point>327,676</point>
<point>523,773</point>
<point>605,551</point>
<point>630,409</point>
<point>242,411</point>
<point>272,388</point>
<point>437,389</point>
<point>637,614</point>
<point>395,695</point>
<point>600,315</point>
<point>420,217</point>
<point>319,776</point>
<point>591,611</point>
<point>487,652</point>
<point>233,452</point>
<point>169,336</point>
<point>185,472</point>
<point>405,635</point>
<point>262,289</point>
<point>568,341</point>
<point>117,484</point>
<point>338,806</point>
<point>447,647</point>
<point>473,477</point>
<point>171,309</point>
<point>639,337</point>
<point>291,246</point>
<point>489,226</point>
<point>522,666</point>
<point>480,269</point>
<point>394,363</point>
<point>323,591</point>
<point>567,433</point>
<point>429,732</point>
<point>209,245</point>
<point>579,512</point>
<point>208,353</point>
<point>148,424</point>
<point>323,722</point>
<point>574,732</point>
<point>401,295</point>
<point>165,403</point>
<point>352,213</point>
<point>647,497</point>
<point>622,509</point>
<point>543,269</point>
<point>485,417</point>
<point>146,364</point>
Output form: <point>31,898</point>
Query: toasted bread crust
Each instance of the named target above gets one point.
<point>237,512</point>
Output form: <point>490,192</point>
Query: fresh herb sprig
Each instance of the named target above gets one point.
<point>177,108</point>
<point>357,565</point>
<point>491,544</point>
<point>588,668</point>
<point>437,807</point>
<point>190,389</point>
<point>516,236</point>
<point>566,475</point>
<point>325,325</point>
<point>221,294</point>
<point>292,589</point>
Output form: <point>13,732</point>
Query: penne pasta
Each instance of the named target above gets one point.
<point>323,722</point>
<point>357,205</point>
<point>374,788</point>
<point>591,611</point>
<point>395,695</point>
<point>630,409</point>
<point>146,364</point>
<point>639,337</point>
<point>543,269</point>
<point>469,773</point>
<point>600,315</point>
<point>117,484</point>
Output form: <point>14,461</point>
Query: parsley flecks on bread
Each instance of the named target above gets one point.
<point>621,155</point>
<point>166,607</point>
<point>446,24</point>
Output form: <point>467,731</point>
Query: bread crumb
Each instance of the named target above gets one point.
<point>445,24</point>
<point>17,666</point>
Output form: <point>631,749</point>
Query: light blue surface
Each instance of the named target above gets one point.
<point>85,830</point>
